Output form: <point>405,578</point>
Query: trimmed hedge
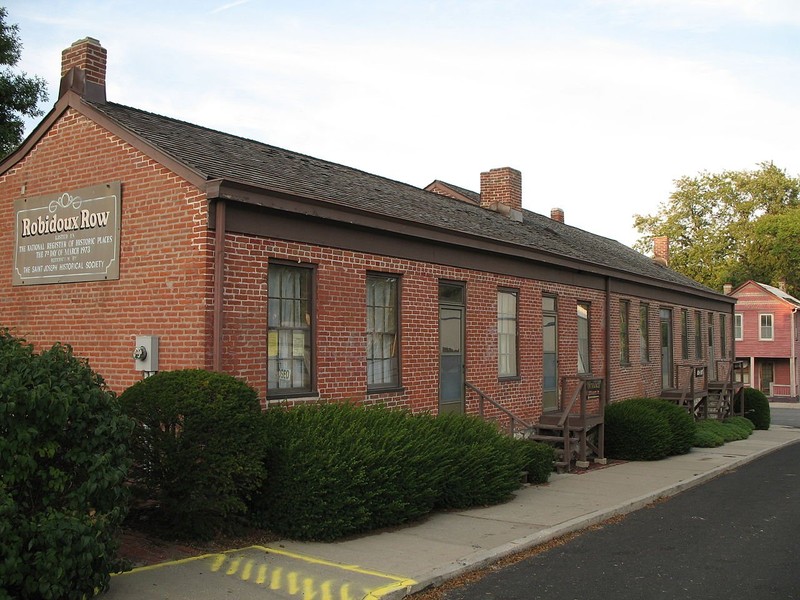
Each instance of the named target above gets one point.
<point>681,423</point>
<point>712,433</point>
<point>63,463</point>
<point>338,469</point>
<point>635,430</point>
<point>756,407</point>
<point>197,447</point>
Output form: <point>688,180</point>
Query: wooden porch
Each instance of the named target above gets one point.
<point>576,428</point>
<point>704,398</point>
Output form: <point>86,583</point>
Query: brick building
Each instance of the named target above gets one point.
<point>767,334</point>
<point>313,280</point>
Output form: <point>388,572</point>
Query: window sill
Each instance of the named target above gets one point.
<point>509,379</point>
<point>387,390</point>
<point>276,398</point>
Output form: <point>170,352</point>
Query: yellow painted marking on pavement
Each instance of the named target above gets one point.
<point>293,584</point>
<point>309,591</point>
<point>248,568</point>
<point>292,587</point>
<point>219,560</point>
<point>275,582</point>
<point>234,566</point>
<point>344,592</point>
<point>262,574</point>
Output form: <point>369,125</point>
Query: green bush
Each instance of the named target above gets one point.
<point>741,422</point>
<point>537,460</point>
<point>681,423</point>
<point>339,469</point>
<point>63,462</point>
<point>197,447</point>
<point>729,432</point>
<point>707,436</point>
<point>756,407</point>
<point>636,431</point>
<point>741,425</point>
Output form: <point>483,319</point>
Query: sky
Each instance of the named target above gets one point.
<point>601,104</point>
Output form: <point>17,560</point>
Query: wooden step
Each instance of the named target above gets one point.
<point>537,437</point>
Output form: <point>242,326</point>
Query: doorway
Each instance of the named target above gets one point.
<point>667,367</point>
<point>767,377</point>
<point>549,354</point>
<point>451,348</point>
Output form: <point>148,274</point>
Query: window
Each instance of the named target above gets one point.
<point>507,333</point>
<point>289,356</point>
<point>684,333</point>
<point>698,334</point>
<point>584,360</point>
<point>765,332</point>
<point>738,327</point>
<point>644,332</point>
<point>624,347</point>
<point>723,335</point>
<point>383,365</point>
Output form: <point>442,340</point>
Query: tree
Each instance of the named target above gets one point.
<point>19,94</point>
<point>712,219</point>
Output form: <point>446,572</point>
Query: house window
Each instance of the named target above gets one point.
<point>738,327</point>
<point>765,331</point>
<point>684,334</point>
<point>624,318</point>
<point>507,365</point>
<point>584,360</point>
<point>644,332</point>
<point>698,334</point>
<point>290,319</point>
<point>383,365</point>
<point>723,335</point>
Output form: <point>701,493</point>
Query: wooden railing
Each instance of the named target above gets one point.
<point>588,389</point>
<point>515,423</point>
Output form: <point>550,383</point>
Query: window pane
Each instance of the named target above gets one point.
<point>289,328</point>
<point>624,349</point>
<point>383,367</point>
<point>644,333</point>
<point>507,333</point>
<point>584,365</point>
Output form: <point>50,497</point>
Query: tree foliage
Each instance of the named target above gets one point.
<point>19,93</point>
<point>729,227</point>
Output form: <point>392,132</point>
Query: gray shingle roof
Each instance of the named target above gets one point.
<point>218,155</point>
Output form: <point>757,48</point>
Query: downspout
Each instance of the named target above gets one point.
<point>607,394</point>
<point>793,357</point>
<point>219,284</point>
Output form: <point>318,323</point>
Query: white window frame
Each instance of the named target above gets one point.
<point>738,326</point>
<point>761,327</point>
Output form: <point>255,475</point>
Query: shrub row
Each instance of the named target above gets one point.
<point>712,433</point>
<point>647,429</point>
<point>63,462</point>
<point>206,458</point>
<point>338,469</point>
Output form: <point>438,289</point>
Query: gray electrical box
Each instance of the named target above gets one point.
<point>145,354</point>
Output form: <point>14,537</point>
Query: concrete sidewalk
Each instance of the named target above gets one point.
<point>395,563</point>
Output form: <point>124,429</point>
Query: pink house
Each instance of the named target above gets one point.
<point>767,335</point>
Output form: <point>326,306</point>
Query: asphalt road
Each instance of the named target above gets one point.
<point>785,416</point>
<point>734,537</point>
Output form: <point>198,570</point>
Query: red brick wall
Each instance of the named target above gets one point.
<point>165,276</point>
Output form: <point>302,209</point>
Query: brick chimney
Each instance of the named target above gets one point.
<point>557,214</point>
<point>83,70</point>
<point>661,250</point>
<point>501,191</point>
<point>727,288</point>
